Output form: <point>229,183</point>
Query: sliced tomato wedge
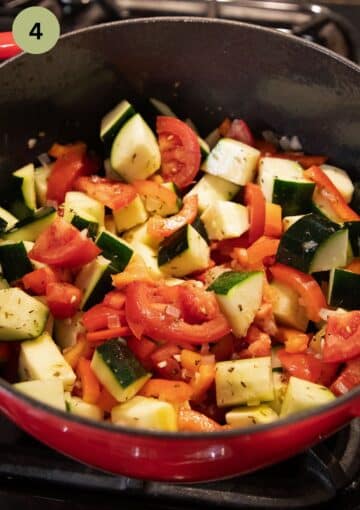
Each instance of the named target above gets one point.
<point>66,169</point>
<point>38,280</point>
<point>240,131</point>
<point>180,151</point>
<point>142,348</point>
<point>306,286</point>
<point>63,299</point>
<point>348,379</point>
<point>342,338</point>
<point>331,194</point>
<point>301,365</point>
<point>255,201</point>
<point>155,311</point>
<point>113,194</point>
<point>62,245</point>
<point>58,150</point>
<point>159,227</point>
<point>115,299</point>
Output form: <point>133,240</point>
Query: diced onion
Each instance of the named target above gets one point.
<point>325,313</point>
<point>172,311</point>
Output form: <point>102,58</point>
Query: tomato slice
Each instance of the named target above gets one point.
<point>239,130</point>
<point>155,311</point>
<point>115,299</point>
<point>180,151</point>
<point>164,363</point>
<point>154,190</point>
<point>255,201</point>
<point>63,299</point>
<point>66,169</point>
<point>159,227</point>
<point>302,159</point>
<point>113,194</point>
<point>142,348</point>
<point>62,245</point>
<point>38,280</point>
<point>342,338</point>
<point>304,366</point>
<point>348,379</point>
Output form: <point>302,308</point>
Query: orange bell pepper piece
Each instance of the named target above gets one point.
<point>273,221</point>
<point>89,381</point>
<point>192,421</point>
<point>294,340</point>
<point>175,392</point>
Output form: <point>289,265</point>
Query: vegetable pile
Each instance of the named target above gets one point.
<point>178,286</point>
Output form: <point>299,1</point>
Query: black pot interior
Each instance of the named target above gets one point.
<point>203,69</point>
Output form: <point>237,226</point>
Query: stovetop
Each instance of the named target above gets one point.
<point>33,476</point>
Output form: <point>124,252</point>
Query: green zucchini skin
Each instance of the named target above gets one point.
<point>345,290</point>
<point>200,227</point>
<point>28,228</point>
<point>173,246</point>
<point>121,361</point>
<point>115,250</point>
<point>227,280</point>
<point>102,287</point>
<point>300,242</point>
<point>295,197</point>
<point>14,261</point>
<point>81,223</point>
<point>354,236</point>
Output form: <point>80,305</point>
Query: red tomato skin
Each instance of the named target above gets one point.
<point>304,366</point>
<point>65,171</point>
<point>61,245</point>
<point>63,299</point>
<point>112,194</point>
<point>97,317</point>
<point>342,338</point>
<point>239,130</point>
<point>255,201</point>
<point>180,151</point>
<point>38,280</point>
<point>348,379</point>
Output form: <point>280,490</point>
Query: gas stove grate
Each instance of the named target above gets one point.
<point>313,478</point>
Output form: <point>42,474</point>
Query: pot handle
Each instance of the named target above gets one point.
<point>8,46</point>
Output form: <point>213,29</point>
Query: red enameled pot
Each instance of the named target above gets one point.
<point>205,70</point>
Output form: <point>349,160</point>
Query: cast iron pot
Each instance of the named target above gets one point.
<point>205,70</point>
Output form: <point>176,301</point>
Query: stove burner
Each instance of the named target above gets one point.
<point>313,22</point>
<point>313,478</point>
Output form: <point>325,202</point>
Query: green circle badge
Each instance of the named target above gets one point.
<point>36,30</point>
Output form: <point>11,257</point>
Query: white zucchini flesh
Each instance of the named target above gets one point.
<point>41,359</point>
<point>135,153</point>
<point>146,413</point>
<point>211,188</point>
<point>50,392</point>
<point>225,220</point>
<point>232,160</point>
<point>303,395</point>
<point>272,168</point>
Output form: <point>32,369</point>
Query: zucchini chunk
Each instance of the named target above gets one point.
<point>21,316</point>
<point>247,416</point>
<point>282,182</point>
<point>24,203</point>
<point>130,216</point>
<point>145,413</point>
<point>118,370</point>
<point>244,381</point>
<point>29,229</point>
<point>114,249</point>
<point>344,289</point>
<point>79,204</point>
<point>14,260</point>
<point>288,221</point>
<point>183,252</point>
<point>239,296</point>
<point>50,392</point>
<point>113,121</point>
<point>280,386</point>
<point>303,395</point>
<point>225,220</point>
<point>41,359</point>
<point>233,161</point>
<point>354,236</point>
<point>286,307</point>
<point>313,244</point>
<point>41,177</point>
<point>94,280</point>
<point>7,220</point>
<point>135,153</point>
<point>211,188</point>
<point>86,223</point>
<point>76,405</point>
